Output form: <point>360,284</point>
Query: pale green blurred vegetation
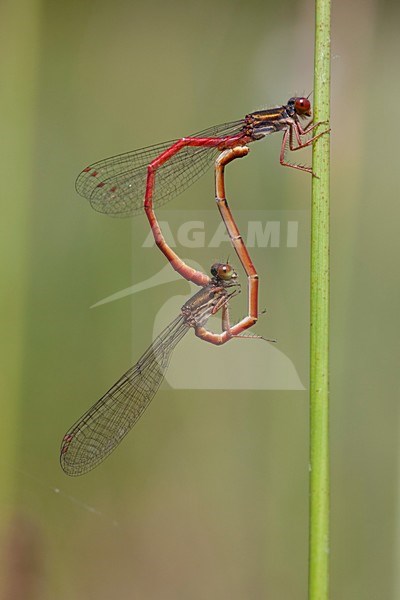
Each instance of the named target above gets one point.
<point>208,497</point>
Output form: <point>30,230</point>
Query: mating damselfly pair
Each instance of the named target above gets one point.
<point>141,180</point>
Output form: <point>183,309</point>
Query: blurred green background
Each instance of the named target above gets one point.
<point>208,497</point>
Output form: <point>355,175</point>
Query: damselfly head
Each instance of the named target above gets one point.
<point>223,271</point>
<point>299,106</point>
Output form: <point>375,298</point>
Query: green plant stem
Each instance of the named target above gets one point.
<point>319,343</point>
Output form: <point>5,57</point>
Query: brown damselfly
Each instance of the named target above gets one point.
<point>97,433</point>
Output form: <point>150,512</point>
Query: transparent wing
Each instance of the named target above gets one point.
<point>117,185</point>
<point>103,426</point>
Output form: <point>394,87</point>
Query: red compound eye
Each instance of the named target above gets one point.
<point>302,106</point>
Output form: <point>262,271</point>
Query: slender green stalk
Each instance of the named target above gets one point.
<point>319,346</point>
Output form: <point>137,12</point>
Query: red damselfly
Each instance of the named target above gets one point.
<point>126,184</point>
